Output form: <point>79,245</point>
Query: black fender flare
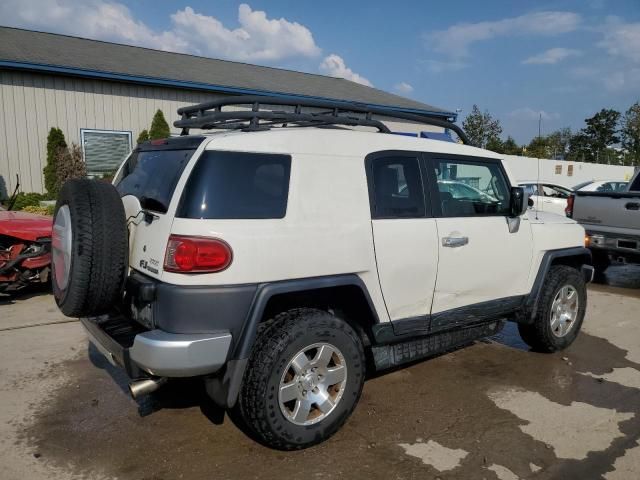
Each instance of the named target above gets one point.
<point>224,388</point>
<point>583,257</point>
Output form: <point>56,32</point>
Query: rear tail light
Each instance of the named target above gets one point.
<point>568,210</point>
<point>197,254</point>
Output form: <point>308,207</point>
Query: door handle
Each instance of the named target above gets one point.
<point>632,206</point>
<point>454,242</point>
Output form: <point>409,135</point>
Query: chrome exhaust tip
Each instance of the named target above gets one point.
<point>146,386</point>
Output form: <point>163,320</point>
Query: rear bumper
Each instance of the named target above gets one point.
<point>155,352</point>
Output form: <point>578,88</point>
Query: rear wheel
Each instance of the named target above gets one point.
<point>560,311</point>
<point>303,380</point>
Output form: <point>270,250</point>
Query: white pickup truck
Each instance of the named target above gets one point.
<point>612,223</point>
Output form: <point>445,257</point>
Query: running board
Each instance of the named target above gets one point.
<point>389,356</point>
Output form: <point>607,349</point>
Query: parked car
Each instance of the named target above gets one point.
<point>285,261</point>
<point>25,240</point>
<point>601,186</point>
<point>547,197</point>
<point>611,221</point>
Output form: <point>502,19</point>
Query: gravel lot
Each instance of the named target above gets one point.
<point>491,410</point>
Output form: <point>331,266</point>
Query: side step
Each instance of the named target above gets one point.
<point>389,356</point>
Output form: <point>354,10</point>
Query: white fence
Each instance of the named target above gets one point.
<point>562,172</point>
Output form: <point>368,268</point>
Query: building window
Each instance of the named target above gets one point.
<point>570,170</point>
<point>104,150</point>
<point>558,169</point>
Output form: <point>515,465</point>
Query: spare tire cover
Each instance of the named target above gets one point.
<point>89,247</point>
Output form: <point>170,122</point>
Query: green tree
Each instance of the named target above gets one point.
<point>495,145</point>
<point>630,134</point>
<point>581,148</point>
<point>510,147</point>
<point>55,143</point>
<point>143,137</point>
<point>159,126</point>
<point>558,142</point>
<point>481,127</point>
<point>538,148</point>
<point>602,130</point>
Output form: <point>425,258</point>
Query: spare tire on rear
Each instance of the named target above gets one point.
<point>89,248</point>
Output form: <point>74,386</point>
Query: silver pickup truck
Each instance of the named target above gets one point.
<point>612,223</point>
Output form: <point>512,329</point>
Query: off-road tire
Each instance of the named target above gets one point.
<point>99,248</point>
<point>257,410</point>
<point>538,335</point>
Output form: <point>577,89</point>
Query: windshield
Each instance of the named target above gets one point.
<point>152,175</point>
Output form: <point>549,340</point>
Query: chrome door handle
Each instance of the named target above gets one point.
<point>454,241</point>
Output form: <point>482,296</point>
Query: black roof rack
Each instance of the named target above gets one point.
<point>263,115</point>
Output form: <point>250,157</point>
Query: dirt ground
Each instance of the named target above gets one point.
<point>491,410</point>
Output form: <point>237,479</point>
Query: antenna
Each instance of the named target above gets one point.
<point>540,191</point>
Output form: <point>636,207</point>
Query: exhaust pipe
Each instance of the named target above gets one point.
<point>146,386</point>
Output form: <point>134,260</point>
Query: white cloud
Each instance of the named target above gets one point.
<point>456,40</point>
<point>622,39</point>
<point>552,56</point>
<point>527,113</point>
<point>257,38</point>
<point>403,88</point>
<point>334,66</point>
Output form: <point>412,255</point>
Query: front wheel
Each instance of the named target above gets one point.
<point>303,379</point>
<point>560,312</point>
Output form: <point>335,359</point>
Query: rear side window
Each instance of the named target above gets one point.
<point>237,185</point>
<point>395,187</point>
<point>151,176</point>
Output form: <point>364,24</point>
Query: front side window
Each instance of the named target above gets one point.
<point>396,187</point>
<point>470,188</point>
<point>555,191</point>
<point>237,185</point>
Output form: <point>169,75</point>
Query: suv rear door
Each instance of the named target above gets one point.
<point>480,260</point>
<point>405,236</point>
<point>147,182</point>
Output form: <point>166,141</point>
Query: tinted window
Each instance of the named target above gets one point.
<point>468,188</point>
<point>396,187</point>
<point>152,176</point>
<point>237,185</point>
<point>635,186</point>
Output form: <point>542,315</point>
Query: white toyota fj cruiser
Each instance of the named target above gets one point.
<point>283,265</point>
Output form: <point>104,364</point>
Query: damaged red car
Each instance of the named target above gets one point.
<point>25,249</point>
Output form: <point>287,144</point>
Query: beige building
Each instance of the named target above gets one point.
<point>102,95</point>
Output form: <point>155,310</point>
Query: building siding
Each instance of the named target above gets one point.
<point>33,103</point>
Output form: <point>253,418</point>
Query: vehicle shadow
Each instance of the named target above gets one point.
<point>620,276</point>
<point>178,393</point>
<point>30,291</point>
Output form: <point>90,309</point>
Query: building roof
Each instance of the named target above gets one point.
<point>26,49</point>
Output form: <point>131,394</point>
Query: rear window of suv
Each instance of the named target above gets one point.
<point>152,175</point>
<point>237,185</point>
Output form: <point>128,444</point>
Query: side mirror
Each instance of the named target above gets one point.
<point>530,201</point>
<point>519,202</point>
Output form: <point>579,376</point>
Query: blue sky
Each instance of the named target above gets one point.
<point>562,59</point>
